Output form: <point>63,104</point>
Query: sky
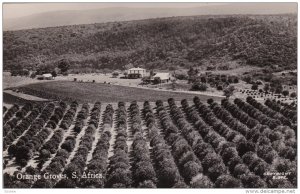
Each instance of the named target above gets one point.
<point>15,10</point>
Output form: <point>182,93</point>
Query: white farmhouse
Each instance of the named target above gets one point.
<point>136,72</point>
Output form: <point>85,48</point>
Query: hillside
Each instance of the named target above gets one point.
<point>125,12</point>
<point>168,43</point>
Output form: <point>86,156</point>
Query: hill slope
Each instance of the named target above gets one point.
<point>159,43</point>
<point>127,13</point>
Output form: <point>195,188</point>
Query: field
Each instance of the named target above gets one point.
<point>14,81</point>
<point>92,92</point>
<point>163,144</point>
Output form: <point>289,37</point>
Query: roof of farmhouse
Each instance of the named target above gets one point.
<point>137,68</point>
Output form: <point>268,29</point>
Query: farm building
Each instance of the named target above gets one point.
<point>136,72</point>
<point>163,77</point>
<point>157,78</point>
<point>46,76</point>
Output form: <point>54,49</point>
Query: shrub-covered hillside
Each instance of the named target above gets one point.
<point>159,43</point>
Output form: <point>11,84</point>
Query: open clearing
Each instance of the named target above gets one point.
<point>92,92</point>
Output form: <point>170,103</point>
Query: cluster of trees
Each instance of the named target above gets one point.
<point>81,116</point>
<point>262,139</point>
<point>98,163</point>
<point>24,148</point>
<point>14,133</point>
<point>216,171</point>
<point>135,118</point>
<point>69,116</point>
<point>273,143</point>
<point>279,142</point>
<point>247,149</point>
<point>10,113</point>
<point>288,133</point>
<point>69,143</point>
<point>218,81</point>
<point>24,110</point>
<point>37,141</point>
<point>291,106</point>
<point>210,118</point>
<point>255,163</point>
<point>11,121</point>
<point>269,112</point>
<point>20,72</point>
<point>57,115</point>
<point>157,43</point>
<point>64,66</point>
<point>119,174</point>
<point>108,118</point>
<point>217,149</point>
<point>239,114</point>
<point>198,86</point>
<point>228,91</point>
<point>55,167</point>
<point>275,85</point>
<point>166,170</point>
<point>221,82</point>
<point>249,79</point>
<point>95,115</point>
<point>266,151</point>
<point>228,151</point>
<point>286,146</point>
<point>188,163</point>
<point>78,162</point>
<point>143,173</point>
<point>181,75</point>
<point>50,147</point>
<point>227,118</point>
<point>58,162</point>
<point>256,114</point>
<point>285,111</point>
<point>200,146</point>
<point>261,133</point>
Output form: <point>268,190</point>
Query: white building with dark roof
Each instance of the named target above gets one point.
<point>136,72</point>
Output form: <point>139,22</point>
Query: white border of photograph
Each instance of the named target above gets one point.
<point>144,191</point>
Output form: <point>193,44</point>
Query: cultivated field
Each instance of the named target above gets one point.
<point>92,92</point>
<point>15,81</point>
<point>162,144</point>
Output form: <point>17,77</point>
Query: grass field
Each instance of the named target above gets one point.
<point>92,92</point>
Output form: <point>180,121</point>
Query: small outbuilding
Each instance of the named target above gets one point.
<point>163,77</point>
<point>48,76</point>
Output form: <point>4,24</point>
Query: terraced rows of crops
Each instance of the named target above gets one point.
<point>186,144</point>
